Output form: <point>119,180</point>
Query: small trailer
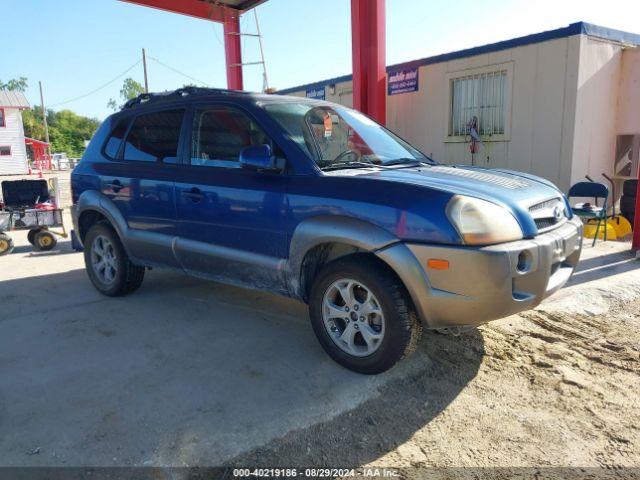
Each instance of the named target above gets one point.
<point>26,205</point>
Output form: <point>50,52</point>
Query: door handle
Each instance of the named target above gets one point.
<point>195,195</point>
<point>115,185</point>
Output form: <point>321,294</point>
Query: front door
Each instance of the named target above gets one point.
<point>139,181</point>
<point>231,221</point>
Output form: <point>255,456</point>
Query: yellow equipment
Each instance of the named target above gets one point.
<point>591,226</point>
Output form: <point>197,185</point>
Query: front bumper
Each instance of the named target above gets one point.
<point>486,283</point>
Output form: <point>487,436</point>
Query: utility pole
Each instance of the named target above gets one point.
<point>44,115</point>
<point>144,63</point>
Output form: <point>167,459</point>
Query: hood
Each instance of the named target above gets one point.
<point>515,191</point>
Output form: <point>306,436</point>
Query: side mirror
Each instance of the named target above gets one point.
<point>260,158</point>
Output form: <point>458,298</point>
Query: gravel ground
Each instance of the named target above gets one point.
<point>557,386</point>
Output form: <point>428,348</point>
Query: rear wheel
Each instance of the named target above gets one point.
<point>108,264</point>
<point>362,315</point>
<point>32,235</point>
<point>44,241</point>
<point>6,244</point>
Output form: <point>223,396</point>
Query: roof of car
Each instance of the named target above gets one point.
<point>197,93</point>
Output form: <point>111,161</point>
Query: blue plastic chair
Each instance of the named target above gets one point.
<point>593,190</point>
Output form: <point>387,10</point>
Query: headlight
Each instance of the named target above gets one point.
<point>481,223</point>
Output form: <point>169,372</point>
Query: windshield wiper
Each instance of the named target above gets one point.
<point>341,165</point>
<point>412,162</point>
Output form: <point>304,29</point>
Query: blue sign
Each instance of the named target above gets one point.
<point>402,81</point>
<point>316,93</point>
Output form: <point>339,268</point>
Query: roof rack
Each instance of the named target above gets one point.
<point>179,93</point>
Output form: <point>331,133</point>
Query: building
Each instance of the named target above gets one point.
<point>561,104</point>
<point>13,151</point>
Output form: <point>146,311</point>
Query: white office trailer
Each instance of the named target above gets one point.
<point>13,151</point>
<point>560,104</point>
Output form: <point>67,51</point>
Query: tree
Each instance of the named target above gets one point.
<point>19,84</point>
<point>130,89</point>
<point>68,131</point>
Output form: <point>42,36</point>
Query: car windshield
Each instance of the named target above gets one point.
<point>337,137</point>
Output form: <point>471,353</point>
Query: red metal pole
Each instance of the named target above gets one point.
<point>233,49</point>
<point>635,246</point>
<point>369,58</point>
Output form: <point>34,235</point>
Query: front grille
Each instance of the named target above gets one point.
<point>548,214</point>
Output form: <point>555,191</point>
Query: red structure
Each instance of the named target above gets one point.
<point>369,58</point>
<point>636,223</point>
<point>368,35</point>
<point>41,157</point>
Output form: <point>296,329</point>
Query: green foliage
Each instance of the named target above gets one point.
<point>130,89</point>
<point>20,84</point>
<point>67,130</point>
<point>33,126</point>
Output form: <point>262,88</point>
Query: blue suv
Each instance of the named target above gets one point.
<point>318,202</point>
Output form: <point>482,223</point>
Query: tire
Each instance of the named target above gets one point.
<point>627,204</point>
<point>6,244</point>
<point>44,241</point>
<point>32,235</point>
<point>402,328</point>
<point>630,188</point>
<point>116,275</point>
<point>630,217</point>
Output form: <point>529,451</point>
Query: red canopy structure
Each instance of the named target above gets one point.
<point>41,157</point>
<point>368,43</point>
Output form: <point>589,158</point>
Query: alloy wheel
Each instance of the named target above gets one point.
<point>104,260</point>
<point>353,317</point>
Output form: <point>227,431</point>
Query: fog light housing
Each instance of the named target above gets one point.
<point>524,261</point>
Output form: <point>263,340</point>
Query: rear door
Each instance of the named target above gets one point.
<point>139,180</point>
<point>232,221</point>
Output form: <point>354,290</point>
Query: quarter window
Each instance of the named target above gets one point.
<point>112,147</point>
<point>220,134</point>
<point>482,96</point>
<point>154,137</point>
<point>5,151</point>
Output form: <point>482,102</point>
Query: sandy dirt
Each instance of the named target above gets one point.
<point>544,388</point>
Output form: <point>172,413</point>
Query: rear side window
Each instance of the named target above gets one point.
<point>112,146</point>
<point>154,137</point>
<point>220,134</point>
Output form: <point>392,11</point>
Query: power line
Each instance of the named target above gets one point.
<point>175,70</point>
<point>99,88</point>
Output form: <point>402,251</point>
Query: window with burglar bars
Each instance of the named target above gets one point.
<point>481,95</point>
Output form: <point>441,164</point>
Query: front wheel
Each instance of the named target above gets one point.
<point>6,244</point>
<point>362,315</point>
<point>107,263</point>
<point>44,241</point>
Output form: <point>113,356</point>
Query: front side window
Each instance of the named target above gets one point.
<point>3,122</point>
<point>220,134</point>
<point>335,136</point>
<point>154,137</point>
<point>5,151</point>
<point>478,101</point>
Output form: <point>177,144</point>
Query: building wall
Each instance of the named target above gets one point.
<point>13,135</point>
<point>628,119</point>
<point>541,99</point>
<point>599,80</point>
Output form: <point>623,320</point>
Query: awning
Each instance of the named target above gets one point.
<point>34,142</point>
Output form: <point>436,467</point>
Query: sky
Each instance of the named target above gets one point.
<point>82,50</point>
